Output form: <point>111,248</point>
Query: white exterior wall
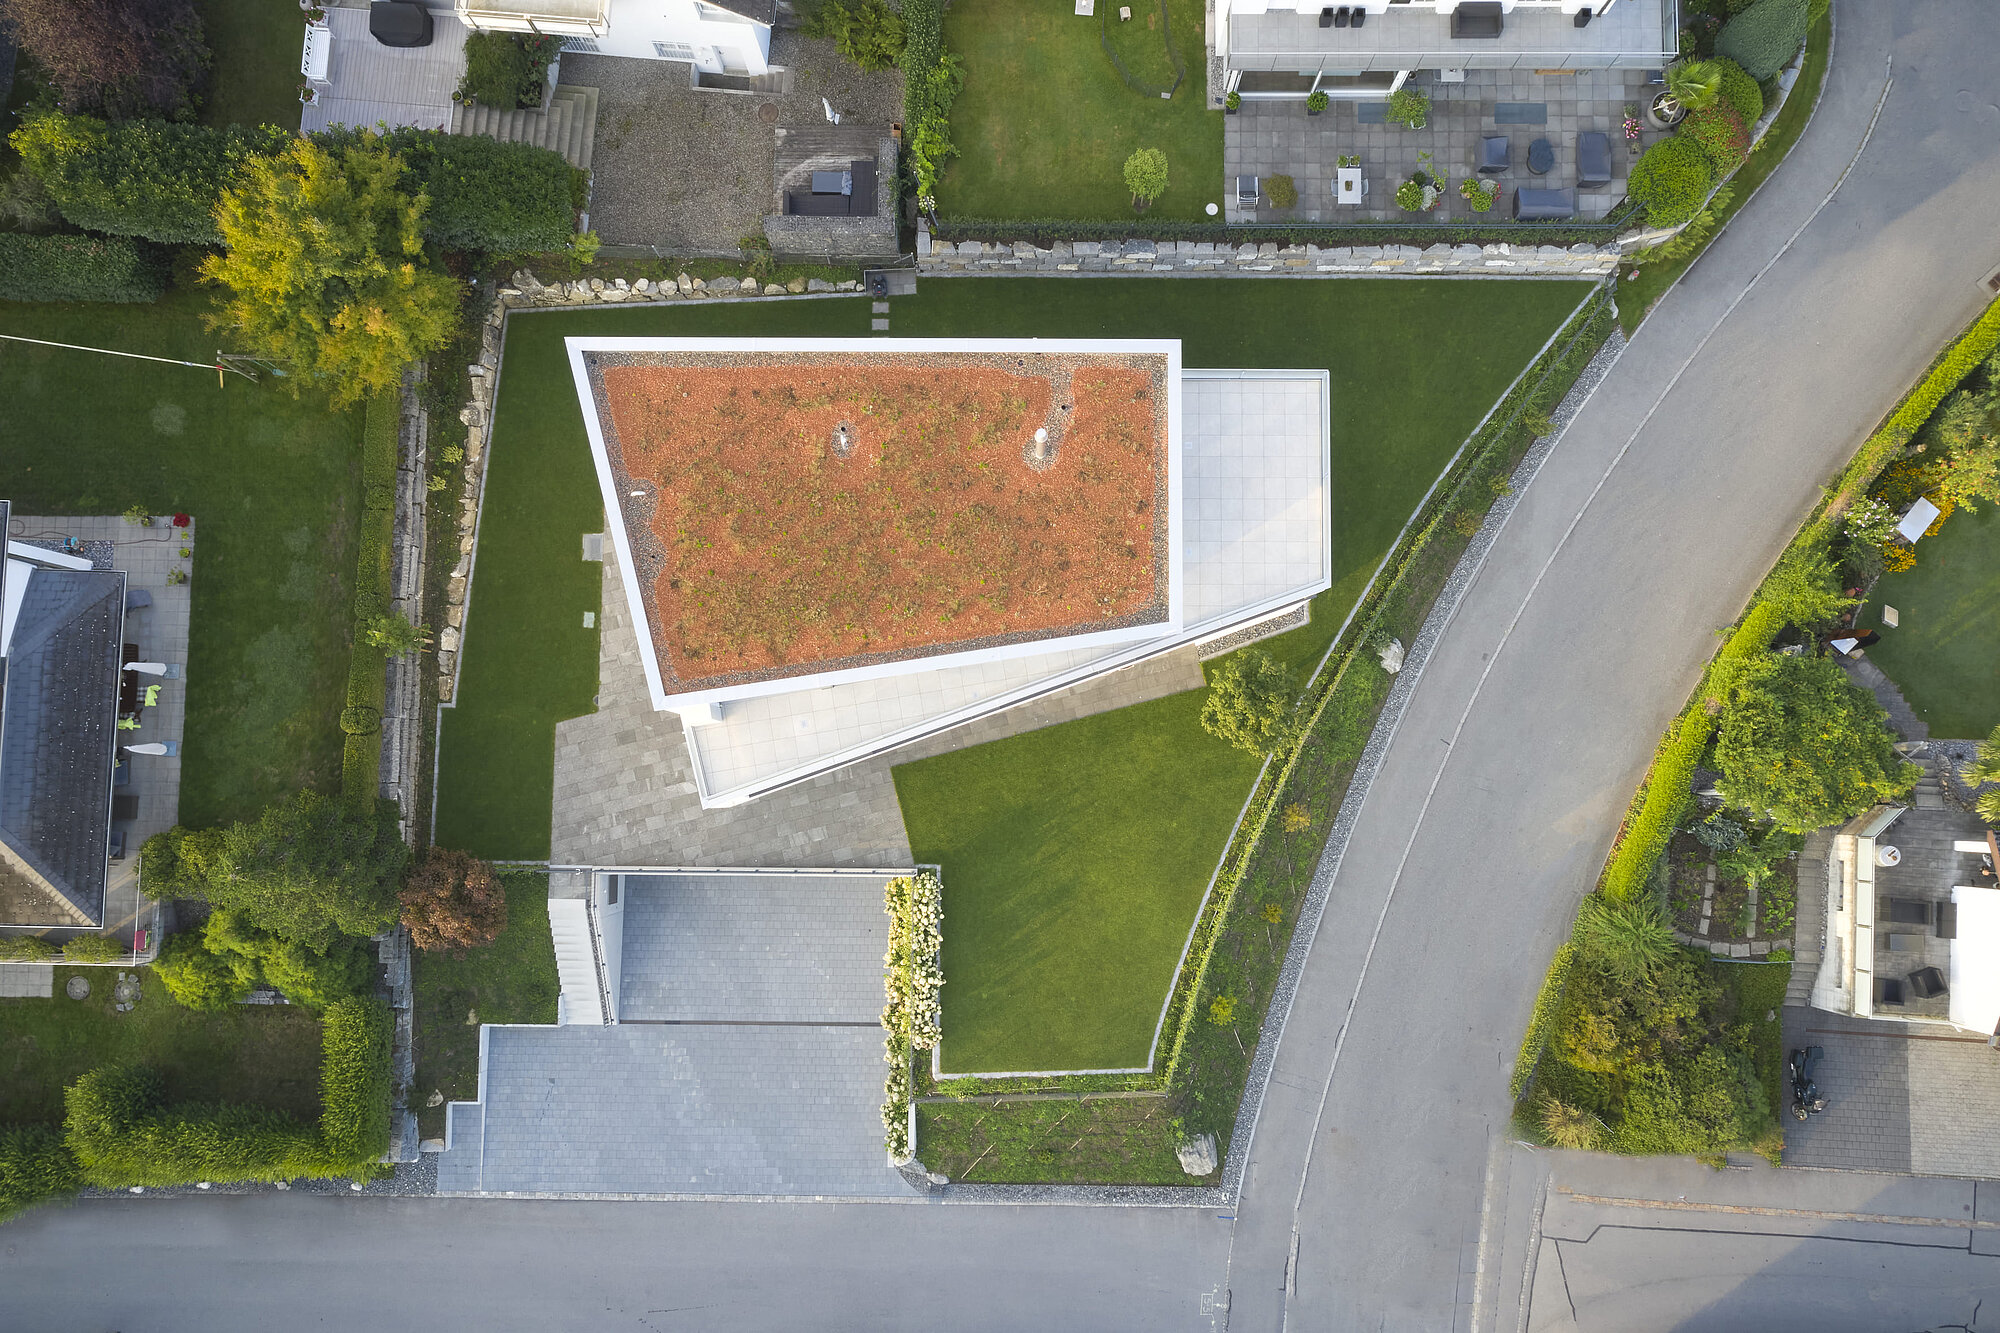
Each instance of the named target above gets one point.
<point>723,44</point>
<point>610,890</point>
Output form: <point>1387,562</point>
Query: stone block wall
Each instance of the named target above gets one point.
<point>1185,258</point>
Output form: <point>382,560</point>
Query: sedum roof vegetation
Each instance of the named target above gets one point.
<point>799,513</point>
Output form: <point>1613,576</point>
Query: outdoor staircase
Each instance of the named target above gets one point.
<point>577,965</point>
<point>567,125</point>
<point>1929,793</point>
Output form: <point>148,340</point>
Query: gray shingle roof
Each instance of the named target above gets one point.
<point>58,740</point>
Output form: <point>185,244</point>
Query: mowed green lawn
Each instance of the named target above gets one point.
<point>255,77</point>
<point>273,483</point>
<point>1945,657</point>
<point>259,1054</point>
<point>512,980</point>
<point>529,661</point>
<point>1074,857</point>
<point>1044,123</point>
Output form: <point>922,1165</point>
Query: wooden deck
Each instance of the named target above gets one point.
<point>369,83</point>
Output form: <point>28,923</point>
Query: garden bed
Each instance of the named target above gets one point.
<point>1692,875</point>
<point>794,513</point>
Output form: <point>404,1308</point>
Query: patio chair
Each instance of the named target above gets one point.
<point>1326,17</point>
<point>1902,943</point>
<point>1247,191</point>
<point>1593,159</point>
<point>1888,993</point>
<point>1944,921</point>
<point>1927,982</point>
<point>117,846</point>
<point>124,807</point>
<point>1359,16</point>
<point>1341,16</point>
<point>137,600</point>
<point>1496,154</point>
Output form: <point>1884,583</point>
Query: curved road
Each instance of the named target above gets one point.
<point>1646,529</point>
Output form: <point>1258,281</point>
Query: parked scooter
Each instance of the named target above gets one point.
<point>1806,1100</point>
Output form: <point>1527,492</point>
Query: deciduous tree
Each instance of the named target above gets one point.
<point>119,57</point>
<point>1805,746</point>
<point>1146,176</point>
<point>1252,703</point>
<point>453,901</point>
<point>325,267</point>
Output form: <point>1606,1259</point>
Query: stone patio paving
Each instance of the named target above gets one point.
<point>1268,138</point>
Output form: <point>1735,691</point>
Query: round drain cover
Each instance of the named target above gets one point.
<point>768,113</point>
<point>76,988</point>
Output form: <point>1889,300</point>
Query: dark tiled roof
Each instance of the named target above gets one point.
<point>58,738</point>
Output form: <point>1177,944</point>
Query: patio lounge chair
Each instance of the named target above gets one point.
<point>1496,154</point>
<point>1478,18</point>
<point>1927,982</point>
<point>1544,205</point>
<point>1906,911</point>
<point>1593,159</point>
<point>1247,191</point>
<point>138,600</point>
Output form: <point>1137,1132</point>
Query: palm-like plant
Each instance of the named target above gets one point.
<point>1630,942</point>
<point>1695,83</point>
<point>1569,1126</point>
<point>1986,768</point>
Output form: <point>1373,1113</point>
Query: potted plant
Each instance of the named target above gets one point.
<point>1418,194</point>
<point>1477,193</point>
<point>1409,107</point>
<point>315,15</point>
<point>306,93</point>
<point>1632,128</point>
<point>1316,104</point>
<point>1232,103</point>
<point>1691,86</point>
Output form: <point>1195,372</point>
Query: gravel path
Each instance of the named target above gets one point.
<point>690,173</point>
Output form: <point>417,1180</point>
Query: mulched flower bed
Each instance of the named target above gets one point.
<point>799,513</point>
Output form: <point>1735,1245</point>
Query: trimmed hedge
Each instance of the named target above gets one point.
<point>78,268</point>
<point>356,1036</point>
<point>367,683</point>
<point>36,1165</point>
<point>931,80</point>
<point>148,178</point>
<point>1548,1006</point>
<point>1722,135</point>
<point>1740,91</point>
<point>124,1133</point>
<point>26,948</point>
<point>1764,38</point>
<point>1671,179</point>
<point>94,949</point>
<point>501,198</point>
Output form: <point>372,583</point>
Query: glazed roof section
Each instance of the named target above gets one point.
<point>59,663</point>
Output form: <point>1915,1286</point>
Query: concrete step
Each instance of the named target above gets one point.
<point>587,131</point>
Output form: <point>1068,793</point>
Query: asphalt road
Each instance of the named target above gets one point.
<point>1647,529</point>
<point>1380,1146</point>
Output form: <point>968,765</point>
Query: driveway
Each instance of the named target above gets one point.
<point>1655,516</point>
<point>747,1059</point>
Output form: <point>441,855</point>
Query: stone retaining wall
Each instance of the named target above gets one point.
<point>1138,257</point>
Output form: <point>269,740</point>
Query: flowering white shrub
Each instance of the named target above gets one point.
<point>912,976</point>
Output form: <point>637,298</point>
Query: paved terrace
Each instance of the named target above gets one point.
<point>1276,137</point>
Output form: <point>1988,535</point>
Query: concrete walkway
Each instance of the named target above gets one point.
<point>1655,516</point>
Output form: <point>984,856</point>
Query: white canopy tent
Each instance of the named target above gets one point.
<point>1975,960</point>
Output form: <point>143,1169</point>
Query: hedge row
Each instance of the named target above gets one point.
<point>35,1165</point>
<point>149,178</point>
<point>1765,36</point>
<point>162,181</point>
<point>1548,1002</point>
<point>931,80</point>
<point>119,1130</point>
<point>78,268</point>
<point>367,680</point>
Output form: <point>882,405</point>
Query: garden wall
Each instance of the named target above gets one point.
<point>1139,257</point>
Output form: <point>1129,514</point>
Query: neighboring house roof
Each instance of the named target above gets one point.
<point>59,661</point>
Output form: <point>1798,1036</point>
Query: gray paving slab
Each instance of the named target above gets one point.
<point>787,948</point>
<point>27,981</point>
<point>647,1109</point>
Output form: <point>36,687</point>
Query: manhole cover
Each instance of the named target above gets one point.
<point>126,992</point>
<point>77,988</point>
<point>768,113</point>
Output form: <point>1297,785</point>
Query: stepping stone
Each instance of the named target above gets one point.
<point>880,307</point>
<point>879,325</point>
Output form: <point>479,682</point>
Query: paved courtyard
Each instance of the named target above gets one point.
<point>1269,138</point>
<point>685,171</point>
<point>747,1058</point>
<point>1901,1097</point>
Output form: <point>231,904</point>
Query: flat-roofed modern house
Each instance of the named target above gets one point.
<point>1293,48</point>
<point>62,625</point>
<point>838,547</point>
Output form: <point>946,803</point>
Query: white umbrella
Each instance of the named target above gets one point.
<point>149,668</point>
<point>150,747</point>
<point>831,114</point>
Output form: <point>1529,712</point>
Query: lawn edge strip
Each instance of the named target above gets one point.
<point>1663,793</point>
